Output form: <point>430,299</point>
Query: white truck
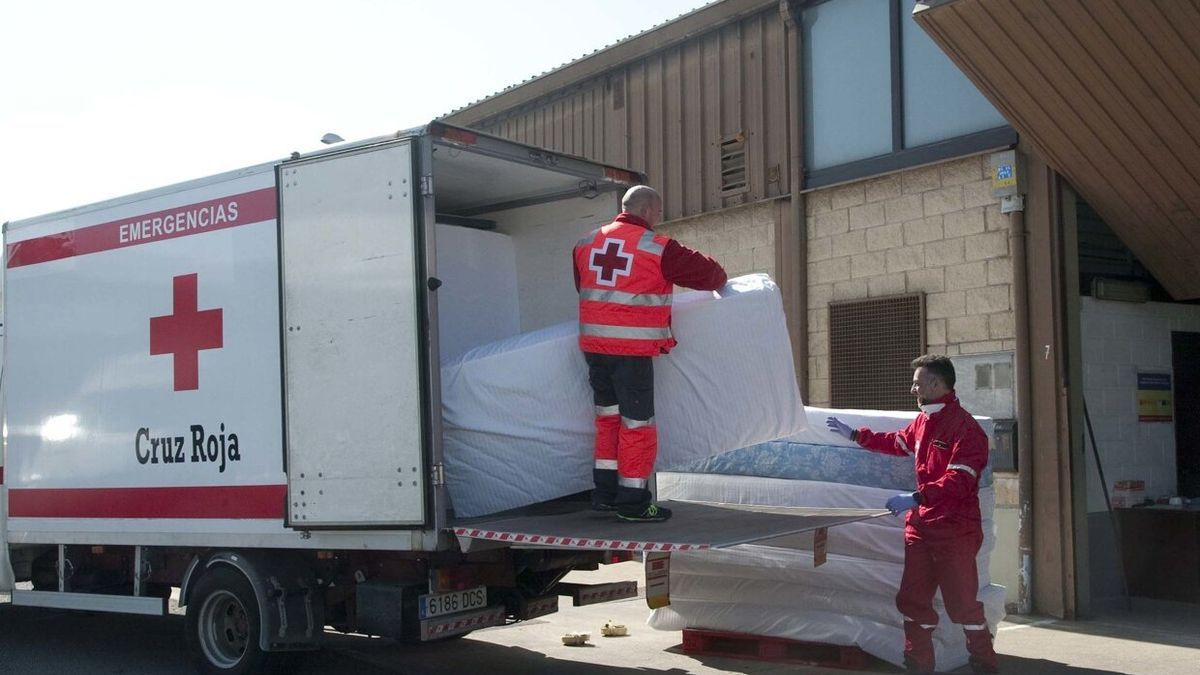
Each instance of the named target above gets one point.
<point>230,387</point>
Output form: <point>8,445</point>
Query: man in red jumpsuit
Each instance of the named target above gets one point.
<point>625,273</point>
<point>943,533</point>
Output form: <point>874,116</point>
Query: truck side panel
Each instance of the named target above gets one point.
<point>147,385</point>
<point>110,443</point>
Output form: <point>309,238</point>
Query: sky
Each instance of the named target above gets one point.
<point>102,99</point>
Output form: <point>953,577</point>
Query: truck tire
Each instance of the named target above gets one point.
<point>223,625</point>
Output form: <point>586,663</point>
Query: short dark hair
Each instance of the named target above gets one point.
<point>938,365</point>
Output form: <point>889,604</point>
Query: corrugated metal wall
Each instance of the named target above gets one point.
<point>668,113</point>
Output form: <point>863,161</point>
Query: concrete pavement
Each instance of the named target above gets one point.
<point>1156,638</point>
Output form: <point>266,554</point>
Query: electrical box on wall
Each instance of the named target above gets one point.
<point>1004,445</point>
<point>1008,174</point>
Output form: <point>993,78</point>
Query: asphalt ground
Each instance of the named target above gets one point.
<point>1155,638</point>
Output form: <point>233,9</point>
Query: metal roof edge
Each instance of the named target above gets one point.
<point>662,36</point>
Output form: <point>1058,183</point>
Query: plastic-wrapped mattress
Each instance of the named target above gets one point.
<point>818,455</point>
<point>477,301</point>
<point>876,539</point>
<point>518,414</point>
<point>772,588</point>
<point>884,640</point>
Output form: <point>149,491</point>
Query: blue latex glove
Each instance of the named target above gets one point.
<point>840,428</point>
<point>901,503</point>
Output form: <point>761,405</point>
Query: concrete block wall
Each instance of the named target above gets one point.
<point>935,229</point>
<point>1119,340</point>
<point>741,238</point>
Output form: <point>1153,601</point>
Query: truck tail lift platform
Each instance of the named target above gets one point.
<point>695,526</point>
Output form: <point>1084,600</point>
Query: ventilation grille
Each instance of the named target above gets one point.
<point>733,165</point>
<point>616,84</point>
<point>871,344</point>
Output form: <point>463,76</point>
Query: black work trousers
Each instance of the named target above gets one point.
<point>626,438</point>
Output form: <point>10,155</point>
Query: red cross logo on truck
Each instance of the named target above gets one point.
<point>186,332</point>
<point>610,262</point>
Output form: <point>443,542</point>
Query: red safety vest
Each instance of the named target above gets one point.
<point>624,300</point>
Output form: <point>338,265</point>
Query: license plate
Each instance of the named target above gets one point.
<point>439,604</point>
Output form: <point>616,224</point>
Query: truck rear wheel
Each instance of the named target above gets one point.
<point>223,624</point>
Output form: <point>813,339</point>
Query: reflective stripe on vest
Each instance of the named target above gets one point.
<point>624,332</point>
<point>647,244</point>
<point>622,298</point>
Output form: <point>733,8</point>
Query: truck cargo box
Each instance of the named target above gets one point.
<point>233,387</point>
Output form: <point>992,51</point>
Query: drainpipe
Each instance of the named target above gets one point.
<point>1016,221</point>
<point>799,264</point>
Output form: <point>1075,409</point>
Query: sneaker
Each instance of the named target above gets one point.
<point>653,513</point>
<point>601,506</point>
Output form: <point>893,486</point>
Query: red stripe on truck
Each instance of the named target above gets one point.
<point>215,501</point>
<point>179,221</point>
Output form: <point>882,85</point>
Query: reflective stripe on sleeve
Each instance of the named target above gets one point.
<point>630,299</point>
<point>624,332</point>
<point>962,467</point>
<point>903,446</point>
<point>636,424</point>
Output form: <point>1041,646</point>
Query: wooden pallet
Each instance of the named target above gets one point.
<point>764,648</point>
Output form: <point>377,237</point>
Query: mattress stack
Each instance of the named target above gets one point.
<point>518,416</point>
<point>772,588</point>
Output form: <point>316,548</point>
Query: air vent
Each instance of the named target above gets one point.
<point>734,179</point>
<point>871,344</point>
<point>616,84</point>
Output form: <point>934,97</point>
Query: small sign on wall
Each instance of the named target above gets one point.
<point>1154,399</point>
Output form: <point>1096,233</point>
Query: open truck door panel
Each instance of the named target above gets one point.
<point>355,353</point>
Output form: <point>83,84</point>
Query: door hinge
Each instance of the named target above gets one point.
<point>426,186</point>
<point>438,474</point>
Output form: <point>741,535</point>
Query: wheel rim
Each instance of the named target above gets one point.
<point>224,629</point>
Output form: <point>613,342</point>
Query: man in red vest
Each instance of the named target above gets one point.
<point>943,529</point>
<point>625,274</point>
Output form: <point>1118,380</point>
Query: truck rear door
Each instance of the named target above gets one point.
<point>353,344</point>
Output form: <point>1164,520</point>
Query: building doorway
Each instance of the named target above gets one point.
<point>1185,361</point>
